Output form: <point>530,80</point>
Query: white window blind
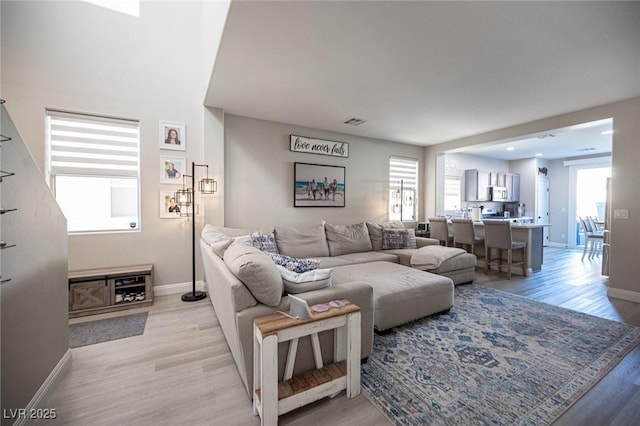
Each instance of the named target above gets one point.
<point>93,165</point>
<point>92,146</point>
<point>403,188</point>
<point>452,193</point>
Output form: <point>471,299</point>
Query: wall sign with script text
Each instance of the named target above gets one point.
<point>319,146</point>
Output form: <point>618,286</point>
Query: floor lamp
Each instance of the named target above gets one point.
<point>185,197</point>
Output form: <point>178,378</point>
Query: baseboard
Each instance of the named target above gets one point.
<point>631,296</point>
<point>557,245</point>
<point>48,386</point>
<point>167,289</point>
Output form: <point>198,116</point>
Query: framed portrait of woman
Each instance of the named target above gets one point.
<point>173,136</point>
<point>172,169</point>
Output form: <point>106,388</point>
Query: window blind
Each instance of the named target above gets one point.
<point>405,170</point>
<point>92,145</point>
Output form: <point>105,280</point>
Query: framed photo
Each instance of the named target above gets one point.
<point>172,169</point>
<point>173,136</point>
<point>168,207</point>
<point>317,185</point>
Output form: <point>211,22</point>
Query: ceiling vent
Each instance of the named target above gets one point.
<point>586,149</point>
<point>355,121</point>
<point>547,136</point>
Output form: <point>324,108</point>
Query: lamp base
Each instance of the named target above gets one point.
<point>193,296</point>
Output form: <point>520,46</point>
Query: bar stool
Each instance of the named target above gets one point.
<point>465,235</point>
<point>440,230</point>
<point>497,234</point>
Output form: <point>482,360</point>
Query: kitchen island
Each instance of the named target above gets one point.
<point>531,233</point>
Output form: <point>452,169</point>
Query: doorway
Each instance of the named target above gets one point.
<point>588,192</point>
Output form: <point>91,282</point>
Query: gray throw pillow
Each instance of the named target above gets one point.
<point>257,271</point>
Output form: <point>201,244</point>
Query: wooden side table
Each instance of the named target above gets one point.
<point>272,398</point>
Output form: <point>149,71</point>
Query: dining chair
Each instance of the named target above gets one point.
<point>464,235</point>
<point>592,237</point>
<point>440,230</point>
<point>497,235</point>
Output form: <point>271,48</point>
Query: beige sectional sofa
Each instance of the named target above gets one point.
<point>242,284</point>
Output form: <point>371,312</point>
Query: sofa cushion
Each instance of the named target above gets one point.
<point>264,242</point>
<point>257,271</point>
<point>294,264</point>
<point>375,232</point>
<point>395,238</point>
<point>308,241</point>
<point>431,257</point>
<point>345,239</point>
<point>307,281</point>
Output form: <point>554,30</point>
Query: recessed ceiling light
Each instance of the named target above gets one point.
<point>607,132</point>
<point>510,148</point>
<point>539,154</point>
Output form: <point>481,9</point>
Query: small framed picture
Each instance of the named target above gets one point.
<point>172,169</point>
<point>173,136</point>
<point>168,207</point>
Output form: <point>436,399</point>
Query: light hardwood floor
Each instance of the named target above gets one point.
<point>181,371</point>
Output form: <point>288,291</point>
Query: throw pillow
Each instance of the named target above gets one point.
<point>218,242</point>
<point>375,232</point>
<point>394,238</point>
<point>257,271</point>
<point>307,281</point>
<point>295,264</point>
<point>345,239</point>
<point>264,242</point>
<point>412,243</point>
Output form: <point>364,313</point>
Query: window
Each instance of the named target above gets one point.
<point>452,193</point>
<point>403,188</point>
<point>93,165</point>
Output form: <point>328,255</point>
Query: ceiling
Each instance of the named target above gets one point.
<point>425,72</point>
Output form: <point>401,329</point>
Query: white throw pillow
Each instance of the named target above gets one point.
<point>307,281</point>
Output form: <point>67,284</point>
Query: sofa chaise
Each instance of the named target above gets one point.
<point>382,269</point>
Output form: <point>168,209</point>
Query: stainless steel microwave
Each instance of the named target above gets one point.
<point>498,193</point>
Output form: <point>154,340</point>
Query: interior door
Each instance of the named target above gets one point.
<point>542,207</point>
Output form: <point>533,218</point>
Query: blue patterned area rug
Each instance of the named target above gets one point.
<point>495,358</point>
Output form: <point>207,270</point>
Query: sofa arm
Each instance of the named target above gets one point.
<point>423,241</point>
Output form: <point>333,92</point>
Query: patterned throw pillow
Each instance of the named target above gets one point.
<point>295,264</point>
<point>264,242</point>
<point>393,238</point>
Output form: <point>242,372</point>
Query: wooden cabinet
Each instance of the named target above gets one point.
<point>97,291</point>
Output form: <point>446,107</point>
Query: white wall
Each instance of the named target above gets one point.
<point>79,57</point>
<point>259,175</point>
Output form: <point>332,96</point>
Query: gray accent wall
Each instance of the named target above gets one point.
<point>259,175</point>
